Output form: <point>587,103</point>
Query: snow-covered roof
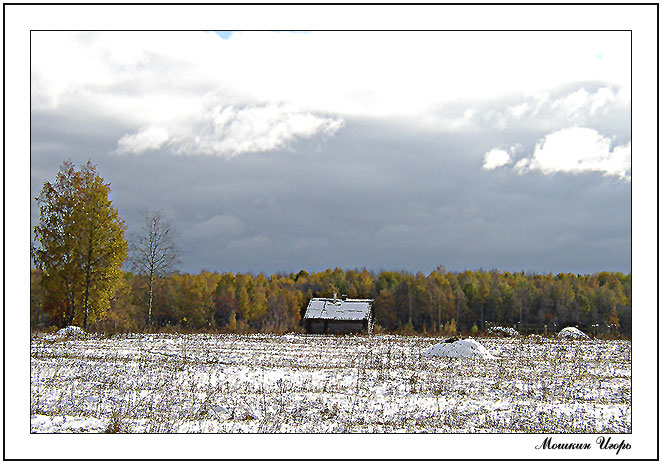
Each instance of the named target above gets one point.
<point>338,309</point>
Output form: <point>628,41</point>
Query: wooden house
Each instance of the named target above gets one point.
<point>337,315</point>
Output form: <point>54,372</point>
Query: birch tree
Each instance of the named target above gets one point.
<point>79,245</point>
<point>154,252</point>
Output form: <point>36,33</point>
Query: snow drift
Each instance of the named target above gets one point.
<point>71,331</point>
<point>465,348</point>
<point>572,332</point>
<point>503,331</point>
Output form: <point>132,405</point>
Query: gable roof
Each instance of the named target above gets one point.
<point>340,310</point>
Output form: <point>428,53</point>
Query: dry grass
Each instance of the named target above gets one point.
<point>298,383</point>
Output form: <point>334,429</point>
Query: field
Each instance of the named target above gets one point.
<point>317,383</point>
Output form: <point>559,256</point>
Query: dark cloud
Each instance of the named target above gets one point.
<point>375,195</point>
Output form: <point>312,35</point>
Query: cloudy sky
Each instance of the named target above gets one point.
<point>386,150</point>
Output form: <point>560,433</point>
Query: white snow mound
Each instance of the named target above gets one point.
<point>503,331</point>
<point>572,332</point>
<point>466,348</point>
<point>71,331</point>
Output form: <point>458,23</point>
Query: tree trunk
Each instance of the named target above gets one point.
<point>410,307</point>
<point>482,316</point>
<point>439,317</point>
<point>457,312</point>
<point>520,310</point>
<point>69,318</point>
<point>87,296</point>
<point>212,319</point>
<point>88,275</point>
<point>149,301</point>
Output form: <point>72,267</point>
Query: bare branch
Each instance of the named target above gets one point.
<point>154,251</point>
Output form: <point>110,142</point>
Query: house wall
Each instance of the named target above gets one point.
<point>333,326</point>
<point>315,326</point>
<point>345,326</point>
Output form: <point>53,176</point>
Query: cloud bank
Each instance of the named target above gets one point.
<point>197,93</point>
<point>278,151</point>
<point>229,131</point>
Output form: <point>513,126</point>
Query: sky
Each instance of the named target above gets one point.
<point>280,151</point>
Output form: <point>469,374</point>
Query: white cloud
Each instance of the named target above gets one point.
<point>580,103</point>
<point>577,150</point>
<point>601,98</point>
<point>522,165</point>
<point>574,108</point>
<point>281,86</point>
<point>147,138</point>
<point>230,131</point>
<point>573,104</point>
<point>516,149</point>
<point>519,110</point>
<point>495,158</point>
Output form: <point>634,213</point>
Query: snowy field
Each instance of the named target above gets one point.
<point>318,383</point>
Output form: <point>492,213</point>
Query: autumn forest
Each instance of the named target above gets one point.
<point>85,272</point>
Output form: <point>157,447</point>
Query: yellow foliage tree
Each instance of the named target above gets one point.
<point>79,245</point>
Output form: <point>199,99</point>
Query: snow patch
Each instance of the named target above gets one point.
<point>71,331</point>
<point>66,424</point>
<point>572,332</point>
<point>503,331</point>
<point>466,348</point>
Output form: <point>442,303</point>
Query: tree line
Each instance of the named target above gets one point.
<point>438,303</point>
<point>80,248</point>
